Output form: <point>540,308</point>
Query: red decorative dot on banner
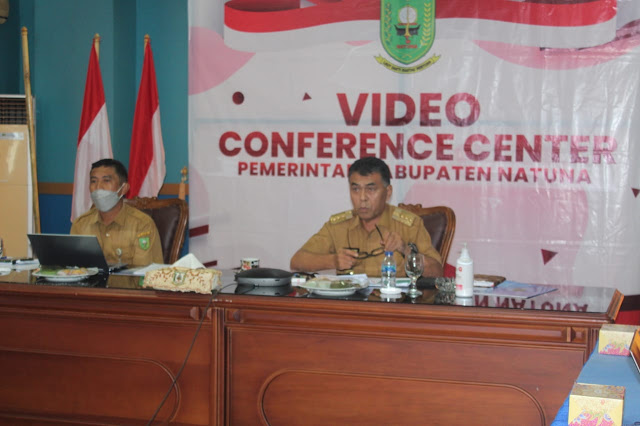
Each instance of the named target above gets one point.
<point>547,255</point>
<point>238,98</point>
<point>306,97</point>
<point>636,191</point>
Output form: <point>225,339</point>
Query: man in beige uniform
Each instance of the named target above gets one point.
<point>125,233</point>
<point>357,239</point>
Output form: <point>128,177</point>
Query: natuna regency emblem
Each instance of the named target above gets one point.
<point>407,31</point>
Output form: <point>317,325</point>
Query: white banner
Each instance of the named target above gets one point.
<point>533,143</point>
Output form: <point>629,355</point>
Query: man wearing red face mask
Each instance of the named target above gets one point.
<point>126,234</point>
<point>357,239</point>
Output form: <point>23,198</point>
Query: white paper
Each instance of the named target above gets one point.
<point>189,261</point>
<point>400,282</point>
<point>483,283</point>
<point>141,270</point>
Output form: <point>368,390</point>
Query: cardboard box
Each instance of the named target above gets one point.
<point>596,405</point>
<point>615,339</point>
<point>635,349</point>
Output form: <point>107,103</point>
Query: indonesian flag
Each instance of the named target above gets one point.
<point>146,158</point>
<point>94,139</point>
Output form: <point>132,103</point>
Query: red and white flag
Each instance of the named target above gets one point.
<point>94,138</point>
<point>253,26</point>
<point>146,157</point>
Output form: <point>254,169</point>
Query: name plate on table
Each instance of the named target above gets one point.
<point>615,339</point>
<point>591,404</point>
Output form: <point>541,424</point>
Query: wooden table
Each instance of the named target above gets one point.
<point>108,355</point>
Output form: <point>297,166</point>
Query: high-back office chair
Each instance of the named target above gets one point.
<point>440,222</point>
<point>170,216</point>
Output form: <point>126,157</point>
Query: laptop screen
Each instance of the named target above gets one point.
<point>68,250</point>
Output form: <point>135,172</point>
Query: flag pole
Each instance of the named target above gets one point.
<point>96,44</point>
<point>94,138</point>
<point>31,130</point>
<point>147,169</point>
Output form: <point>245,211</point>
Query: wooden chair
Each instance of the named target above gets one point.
<point>170,216</point>
<point>440,222</point>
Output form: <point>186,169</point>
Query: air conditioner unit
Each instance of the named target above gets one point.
<point>16,190</point>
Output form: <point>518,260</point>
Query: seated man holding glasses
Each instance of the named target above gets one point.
<point>357,239</point>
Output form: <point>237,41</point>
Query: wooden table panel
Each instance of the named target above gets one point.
<point>102,360</point>
<point>334,398</point>
<point>53,385</point>
<point>107,356</point>
<point>257,356</point>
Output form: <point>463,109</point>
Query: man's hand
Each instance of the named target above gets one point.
<point>313,262</point>
<point>346,258</point>
<point>393,242</point>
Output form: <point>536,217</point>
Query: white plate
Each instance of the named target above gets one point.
<point>334,291</point>
<point>66,278</point>
<point>318,288</point>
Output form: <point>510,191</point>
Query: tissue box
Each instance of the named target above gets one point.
<point>596,405</point>
<point>615,339</point>
<point>183,279</point>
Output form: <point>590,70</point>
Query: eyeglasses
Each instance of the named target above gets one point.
<point>363,254</point>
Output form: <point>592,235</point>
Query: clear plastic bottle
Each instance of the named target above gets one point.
<point>464,274</point>
<point>388,271</point>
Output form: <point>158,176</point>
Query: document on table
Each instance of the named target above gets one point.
<point>514,289</point>
<point>400,282</point>
<point>141,270</point>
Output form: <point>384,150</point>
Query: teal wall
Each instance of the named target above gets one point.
<point>60,37</point>
<point>10,73</point>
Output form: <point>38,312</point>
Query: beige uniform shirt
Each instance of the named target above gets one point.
<point>345,230</point>
<point>132,231</point>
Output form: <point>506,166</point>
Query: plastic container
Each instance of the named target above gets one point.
<point>388,273</point>
<point>464,274</point>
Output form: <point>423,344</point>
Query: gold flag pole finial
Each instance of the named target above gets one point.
<point>31,130</point>
<point>182,190</point>
<point>96,44</point>
<point>147,40</point>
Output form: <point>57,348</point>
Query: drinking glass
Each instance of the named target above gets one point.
<point>414,266</point>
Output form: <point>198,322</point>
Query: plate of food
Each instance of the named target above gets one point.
<point>334,286</point>
<point>65,274</point>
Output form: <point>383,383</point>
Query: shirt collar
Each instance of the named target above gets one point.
<point>120,217</point>
<point>122,214</point>
<point>385,219</point>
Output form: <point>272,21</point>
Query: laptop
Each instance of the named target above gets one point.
<point>71,250</point>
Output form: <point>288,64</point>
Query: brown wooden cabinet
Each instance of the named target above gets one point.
<point>102,356</point>
<point>109,355</point>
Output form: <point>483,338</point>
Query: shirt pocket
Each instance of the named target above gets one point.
<point>128,251</point>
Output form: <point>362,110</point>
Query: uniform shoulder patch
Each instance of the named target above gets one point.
<point>144,243</point>
<point>403,216</point>
<point>341,217</point>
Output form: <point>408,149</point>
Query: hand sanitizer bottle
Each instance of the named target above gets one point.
<point>464,274</point>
